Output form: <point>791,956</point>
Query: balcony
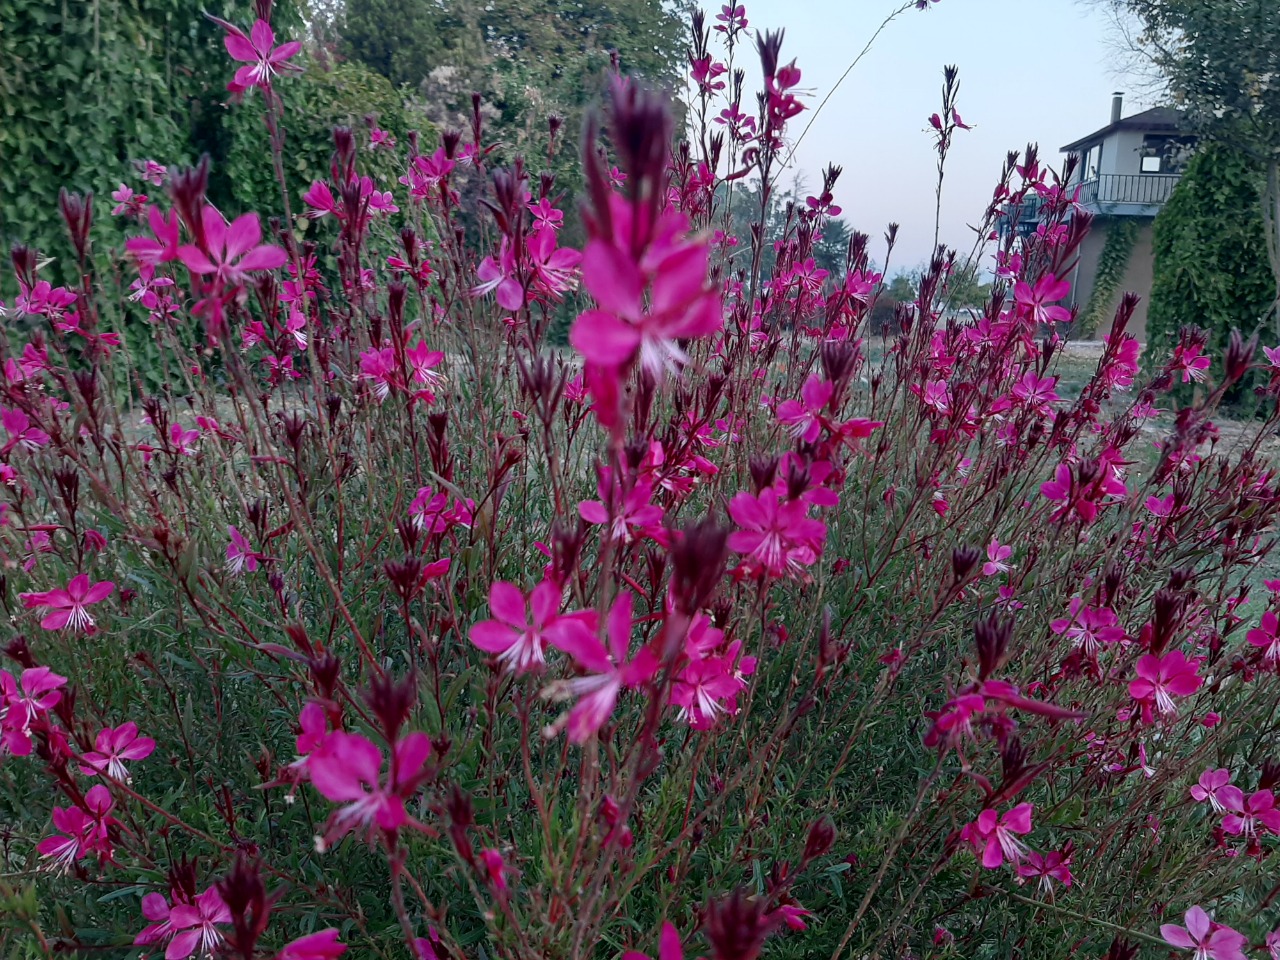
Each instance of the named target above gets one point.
<point>1127,194</point>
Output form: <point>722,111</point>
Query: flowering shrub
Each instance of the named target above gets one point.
<point>390,627</point>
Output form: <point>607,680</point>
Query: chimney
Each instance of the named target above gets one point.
<point>1117,102</point>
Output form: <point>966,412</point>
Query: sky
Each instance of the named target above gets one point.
<point>1030,71</point>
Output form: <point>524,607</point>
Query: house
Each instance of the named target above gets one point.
<point>1126,173</point>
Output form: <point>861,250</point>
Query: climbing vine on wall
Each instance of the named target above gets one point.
<point>1122,234</point>
<point>1211,268</point>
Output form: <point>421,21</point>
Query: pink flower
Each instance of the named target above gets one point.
<point>803,418</point>
<point>608,671</point>
<point>629,514</point>
<point>322,945</point>
<point>183,440</point>
<point>347,768</point>
<point>994,837</point>
<point>1036,302</point>
<point>1266,636</point>
<point>195,926</point>
<point>502,278</point>
<point>128,203</point>
<point>379,365</point>
<point>1160,679</point>
<point>1082,490</point>
<point>113,747</point>
<point>1244,816</point>
<point>935,395</point>
<point>997,554</point>
<point>1088,628</point>
<point>519,633</point>
<point>1054,865</point>
<point>231,250</point>
<point>554,267</point>
<point>240,553</point>
<point>21,433</point>
<point>265,60</point>
<point>680,304</point>
<point>709,684</point>
<point>544,214</point>
<point>1209,940</point>
<point>156,909</point>
<point>81,831</point>
<point>423,362</point>
<point>1036,391</point>
<point>954,722</point>
<point>24,701</point>
<point>1211,781</point>
<point>321,200</point>
<point>163,247</point>
<point>70,607</point>
<point>1190,362</point>
<point>496,868</point>
<point>778,538</point>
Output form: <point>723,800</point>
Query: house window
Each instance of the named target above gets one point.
<point>1165,154</point>
<point>1092,161</point>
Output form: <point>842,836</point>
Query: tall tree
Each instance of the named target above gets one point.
<point>1222,60</point>
<point>529,59</point>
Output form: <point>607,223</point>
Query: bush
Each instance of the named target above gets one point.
<point>383,626</point>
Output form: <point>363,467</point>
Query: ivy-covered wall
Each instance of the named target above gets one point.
<point>1109,274</point>
<point>1211,267</point>
<point>87,86</point>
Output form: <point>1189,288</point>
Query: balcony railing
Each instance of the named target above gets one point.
<point>1147,189</point>
<point>1112,194</point>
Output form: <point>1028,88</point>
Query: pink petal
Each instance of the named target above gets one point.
<point>263,36</point>
<point>584,646</point>
<point>492,636</point>
<point>195,259</point>
<point>184,944</point>
<point>264,257</point>
<point>1176,936</point>
<point>57,619</point>
<point>244,234</point>
<point>604,339</point>
<point>99,592</point>
<point>239,47</point>
<point>612,278</point>
<point>1198,923</point>
<point>507,603</point>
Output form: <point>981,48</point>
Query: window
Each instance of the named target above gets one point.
<point>1165,154</point>
<point>1092,161</point>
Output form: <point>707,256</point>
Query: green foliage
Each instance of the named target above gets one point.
<point>528,59</point>
<point>1122,234</point>
<point>86,87</point>
<point>324,96</point>
<point>1210,257</point>
<point>1222,60</point>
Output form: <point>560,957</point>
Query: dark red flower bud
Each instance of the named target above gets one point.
<point>991,636</point>
<point>245,895</point>
<point>697,560</point>
<point>963,560</point>
<point>822,837</point>
<point>77,214</point>
<point>392,700</point>
<point>736,926</point>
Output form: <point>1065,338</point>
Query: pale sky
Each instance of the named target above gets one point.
<point>1030,70</point>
